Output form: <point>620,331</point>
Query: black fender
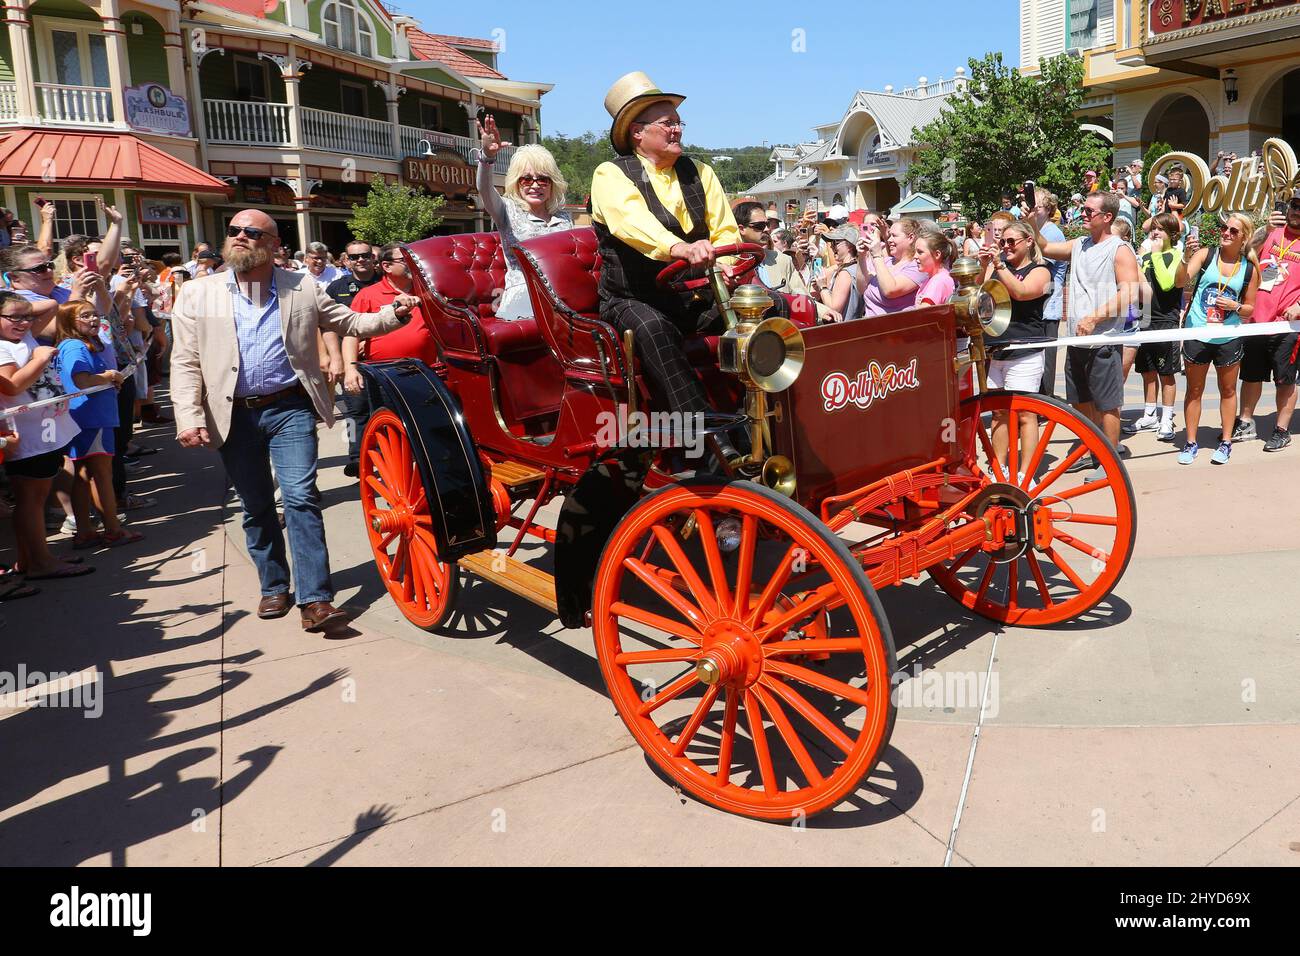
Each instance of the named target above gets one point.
<point>592,510</point>
<point>460,499</point>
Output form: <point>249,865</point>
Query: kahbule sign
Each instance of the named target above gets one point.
<point>444,172</point>
<point>1170,15</point>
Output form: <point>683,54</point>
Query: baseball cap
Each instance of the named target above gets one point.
<point>839,212</point>
<point>845,233</point>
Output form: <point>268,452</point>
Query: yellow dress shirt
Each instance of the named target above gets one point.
<point>619,206</point>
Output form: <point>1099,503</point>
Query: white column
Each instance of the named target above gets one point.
<point>392,90</point>
<point>115,38</point>
<point>291,72</point>
<point>19,24</point>
<point>172,40</point>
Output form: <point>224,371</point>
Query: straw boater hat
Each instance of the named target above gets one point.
<point>626,99</point>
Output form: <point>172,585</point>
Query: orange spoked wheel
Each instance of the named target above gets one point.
<point>1063,536</point>
<point>399,525</point>
<point>744,648</point>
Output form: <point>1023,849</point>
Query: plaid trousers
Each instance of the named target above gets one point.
<point>660,336</point>
<point>660,341</point>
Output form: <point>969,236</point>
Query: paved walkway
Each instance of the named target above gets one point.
<point>1166,737</point>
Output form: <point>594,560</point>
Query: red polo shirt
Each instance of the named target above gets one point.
<point>410,341</point>
<point>1269,306</point>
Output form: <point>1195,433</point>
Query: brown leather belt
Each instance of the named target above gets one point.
<point>261,401</point>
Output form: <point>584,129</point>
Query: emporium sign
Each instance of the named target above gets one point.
<point>1170,15</point>
<point>1253,185</point>
<point>444,172</point>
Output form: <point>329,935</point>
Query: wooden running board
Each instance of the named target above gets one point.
<point>512,474</point>
<point>516,577</point>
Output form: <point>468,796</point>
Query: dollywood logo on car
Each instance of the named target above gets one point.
<point>874,383</point>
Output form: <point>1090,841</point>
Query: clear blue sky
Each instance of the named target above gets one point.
<point>734,61</point>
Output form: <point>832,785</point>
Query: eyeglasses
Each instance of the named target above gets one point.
<point>249,231</point>
<point>1011,240</point>
<point>539,180</point>
<point>760,226</point>
<point>1232,230</point>
<point>361,255</point>
<point>667,124</point>
<point>1087,212</point>
<point>43,267</point>
<point>18,319</point>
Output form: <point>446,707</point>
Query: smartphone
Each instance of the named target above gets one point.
<point>1194,233</point>
<point>92,261</point>
<point>1030,200</point>
<point>1282,206</point>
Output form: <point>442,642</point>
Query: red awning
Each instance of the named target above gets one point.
<point>31,157</point>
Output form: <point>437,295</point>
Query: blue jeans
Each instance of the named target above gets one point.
<point>282,435</point>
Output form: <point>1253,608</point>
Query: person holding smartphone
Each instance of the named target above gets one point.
<point>1225,296</point>
<point>1274,356</point>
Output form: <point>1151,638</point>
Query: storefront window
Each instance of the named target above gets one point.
<point>76,217</point>
<point>346,28</point>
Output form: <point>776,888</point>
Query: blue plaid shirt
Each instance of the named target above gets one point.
<point>263,362</point>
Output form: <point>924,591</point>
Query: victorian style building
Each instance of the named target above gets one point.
<point>1201,75</point>
<point>183,113</point>
<point>861,159</point>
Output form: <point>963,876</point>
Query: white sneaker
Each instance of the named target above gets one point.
<point>1146,422</point>
<point>1166,432</point>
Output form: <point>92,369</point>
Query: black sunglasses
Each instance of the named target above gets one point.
<point>251,232</point>
<point>43,267</point>
<point>361,255</point>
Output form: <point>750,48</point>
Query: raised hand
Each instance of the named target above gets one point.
<point>490,137</point>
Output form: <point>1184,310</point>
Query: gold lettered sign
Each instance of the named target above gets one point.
<point>444,172</point>
<point>1253,185</point>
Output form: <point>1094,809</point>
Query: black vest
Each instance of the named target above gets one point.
<point>624,272</point>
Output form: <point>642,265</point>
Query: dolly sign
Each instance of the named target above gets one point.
<point>1253,185</point>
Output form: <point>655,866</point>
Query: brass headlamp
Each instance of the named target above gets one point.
<point>768,355</point>
<point>983,309</point>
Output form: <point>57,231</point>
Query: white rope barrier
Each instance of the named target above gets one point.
<point>1202,333</point>
<point>9,414</point>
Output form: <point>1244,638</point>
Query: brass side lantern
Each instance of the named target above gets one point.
<point>983,309</point>
<point>767,355</point>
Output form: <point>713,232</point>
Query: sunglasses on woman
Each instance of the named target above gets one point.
<point>537,180</point>
<point>1011,240</point>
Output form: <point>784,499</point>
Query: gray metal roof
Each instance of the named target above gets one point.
<point>899,116</point>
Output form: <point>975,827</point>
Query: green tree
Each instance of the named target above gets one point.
<point>578,157</point>
<point>395,213</point>
<point>1010,128</point>
<point>1154,152</point>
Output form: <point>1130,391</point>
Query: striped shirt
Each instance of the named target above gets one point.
<point>263,362</point>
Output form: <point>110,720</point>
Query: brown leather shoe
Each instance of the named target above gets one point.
<point>322,616</point>
<point>274,605</point>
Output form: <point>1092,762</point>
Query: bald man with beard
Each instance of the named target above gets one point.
<point>246,379</point>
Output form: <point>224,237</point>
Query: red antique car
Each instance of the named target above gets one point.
<point>735,614</point>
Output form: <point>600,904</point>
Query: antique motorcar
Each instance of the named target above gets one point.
<point>733,602</point>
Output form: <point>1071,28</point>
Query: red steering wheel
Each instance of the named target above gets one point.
<point>748,257</point>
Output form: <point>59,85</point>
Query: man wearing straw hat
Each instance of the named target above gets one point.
<point>651,206</point>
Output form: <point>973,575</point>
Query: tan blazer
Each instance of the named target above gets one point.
<point>205,349</point>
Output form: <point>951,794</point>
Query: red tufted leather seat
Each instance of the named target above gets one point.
<point>464,273</point>
<point>461,277</point>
